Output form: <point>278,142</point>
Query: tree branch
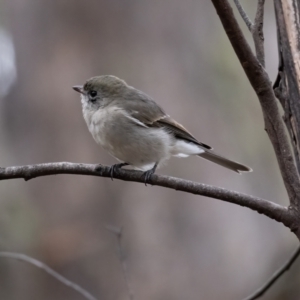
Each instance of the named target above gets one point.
<point>262,86</point>
<point>244,15</point>
<point>258,34</point>
<point>262,290</point>
<point>287,84</point>
<point>262,206</point>
<point>255,28</point>
<point>51,272</point>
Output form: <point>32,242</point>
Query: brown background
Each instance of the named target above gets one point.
<point>177,246</point>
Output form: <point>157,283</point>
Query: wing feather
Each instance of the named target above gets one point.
<point>179,131</point>
<point>148,112</point>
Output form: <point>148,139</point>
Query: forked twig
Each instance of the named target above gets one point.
<point>255,28</point>
<point>51,272</point>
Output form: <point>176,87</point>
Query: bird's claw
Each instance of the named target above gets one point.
<point>114,167</point>
<point>147,175</point>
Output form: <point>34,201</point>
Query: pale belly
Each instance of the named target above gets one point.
<point>136,145</point>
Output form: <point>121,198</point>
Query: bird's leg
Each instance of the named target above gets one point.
<point>147,175</point>
<point>114,167</point>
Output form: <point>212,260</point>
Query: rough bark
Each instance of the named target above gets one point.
<point>287,84</point>
<point>262,86</point>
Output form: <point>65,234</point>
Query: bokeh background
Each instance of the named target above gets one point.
<point>176,245</point>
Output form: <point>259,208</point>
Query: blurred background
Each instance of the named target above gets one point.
<point>176,245</point>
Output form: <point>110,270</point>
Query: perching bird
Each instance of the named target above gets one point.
<point>136,130</point>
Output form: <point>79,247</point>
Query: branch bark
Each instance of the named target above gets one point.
<point>244,15</point>
<point>255,28</point>
<point>272,210</point>
<point>263,88</point>
<point>287,85</point>
<point>257,32</point>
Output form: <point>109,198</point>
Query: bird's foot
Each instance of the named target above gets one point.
<point>147,175</point>
<point>114,167</point>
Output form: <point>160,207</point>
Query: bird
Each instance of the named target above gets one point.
<point>135,130</point>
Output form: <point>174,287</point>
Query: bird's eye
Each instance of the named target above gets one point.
<point>93,93</point>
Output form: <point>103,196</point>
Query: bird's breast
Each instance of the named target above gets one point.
<point>99,123</point>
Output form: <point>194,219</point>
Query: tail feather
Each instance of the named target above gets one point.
<point>224,162</point>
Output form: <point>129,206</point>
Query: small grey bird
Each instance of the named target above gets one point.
<point>135,130</point>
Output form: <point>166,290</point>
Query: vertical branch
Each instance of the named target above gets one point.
<point>243,14</point>
<point>255,28</point>
<point>287,85</point>
<point>261,84</point>
<point>257,32</point>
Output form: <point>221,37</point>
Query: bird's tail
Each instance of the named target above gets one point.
<point>224,162</point>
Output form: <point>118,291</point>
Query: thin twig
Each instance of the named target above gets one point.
<point>244,15</point>
<point>257,32</point>
<point>51,272</point>
<point>272,210</point>
<point>255,28</point>
<point>118,232</point>
<point>262,290</point>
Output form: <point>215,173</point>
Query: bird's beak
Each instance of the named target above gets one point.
<point>78,88</point>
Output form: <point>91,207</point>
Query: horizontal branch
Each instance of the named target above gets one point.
<point>262,206</point>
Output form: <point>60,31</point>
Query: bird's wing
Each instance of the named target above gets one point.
<point>143,107</point>
<point>148,112</point>
<point>178,130</point>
